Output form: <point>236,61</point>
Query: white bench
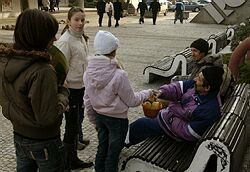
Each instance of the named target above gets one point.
<point>217,42</point>
<point>180,63</point>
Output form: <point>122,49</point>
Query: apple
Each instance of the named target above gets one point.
<point>152,99</point>
<point>147,105</point>
<point>156,105</point>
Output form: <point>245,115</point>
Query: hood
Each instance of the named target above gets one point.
<point>213,59</point>
<point>13,62</point>
<point>100,70</point>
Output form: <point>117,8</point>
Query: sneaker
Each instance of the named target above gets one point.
<point>85,141</point>
<point>81,146</point>
<point>79,164</point>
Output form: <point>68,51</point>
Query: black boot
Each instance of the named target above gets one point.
<point>79,164</point>
<point>76,163</point>
<point>68,148</point>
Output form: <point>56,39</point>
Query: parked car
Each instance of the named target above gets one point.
<point>190,6</point>
<point>204,1</point>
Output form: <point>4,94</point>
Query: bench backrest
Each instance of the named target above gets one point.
<point>230,32</point>
<point>174,63</point>
<point>217,42</point>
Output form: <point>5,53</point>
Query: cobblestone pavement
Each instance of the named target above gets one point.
<point>141,45</point>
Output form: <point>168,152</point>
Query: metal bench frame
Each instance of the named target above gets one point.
<point>220,149</point>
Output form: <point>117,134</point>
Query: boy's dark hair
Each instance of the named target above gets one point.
<point>34,30</point>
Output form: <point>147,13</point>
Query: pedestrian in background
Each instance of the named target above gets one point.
<point>100,10</point>
<point>179,8</point>
<point>29,93</point>
<point>73,44</point>
<point>57,4</point>
<point>117,12</point>
<point>46,5</point>
<point>143,7</point>
<point>109,8</point>
<point>40,4</point>
<point>155,7</point>
<point>52,4</point>
<point>107,99</point>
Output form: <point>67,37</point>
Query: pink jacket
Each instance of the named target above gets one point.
<point>108,90</point>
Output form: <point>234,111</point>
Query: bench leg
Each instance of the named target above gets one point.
<point>148,77</point>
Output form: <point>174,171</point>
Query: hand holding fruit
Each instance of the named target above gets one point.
<point>157,93</point>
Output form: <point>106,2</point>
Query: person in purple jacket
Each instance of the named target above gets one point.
<point>108,96</point>
<point>194,106</point>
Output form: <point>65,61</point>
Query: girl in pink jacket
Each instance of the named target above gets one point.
<point>107,98</point>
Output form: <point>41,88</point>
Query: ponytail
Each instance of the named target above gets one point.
<point>64,29</point>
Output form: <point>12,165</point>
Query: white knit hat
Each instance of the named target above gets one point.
<point>105,42</point>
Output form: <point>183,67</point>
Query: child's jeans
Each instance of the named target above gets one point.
<point>111,135</point>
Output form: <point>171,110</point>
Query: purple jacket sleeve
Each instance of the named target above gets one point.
<point>173,91</point>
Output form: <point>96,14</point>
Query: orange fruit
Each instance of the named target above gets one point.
<point>146,105</point>
<point>156,105</point>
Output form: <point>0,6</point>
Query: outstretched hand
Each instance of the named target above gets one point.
<point>157,93</point>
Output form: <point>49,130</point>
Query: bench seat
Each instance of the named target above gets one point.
<point>220,148</point>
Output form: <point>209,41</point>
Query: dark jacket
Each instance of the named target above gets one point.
<point>142,6</point>
<point>208,60</point>
<point>117,10</point>
<point>179,6</point>
<point>100,6</point>
<point>28,92</point>
<point>155,7</point>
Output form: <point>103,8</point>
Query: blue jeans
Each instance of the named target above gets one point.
<point>143,128</point>
<point>47,156</point>
<point>111,136</point>
<point>74,117</point>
